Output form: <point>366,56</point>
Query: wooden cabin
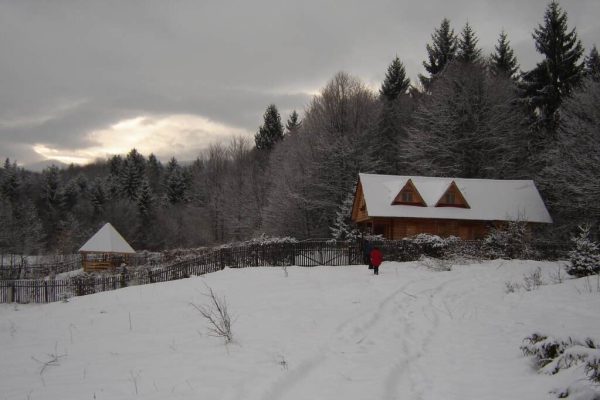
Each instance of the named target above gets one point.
<point>403,206</point>
<point>105,251</point>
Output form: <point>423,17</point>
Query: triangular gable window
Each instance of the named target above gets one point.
<point>409,195</point>
<point>452,198</point>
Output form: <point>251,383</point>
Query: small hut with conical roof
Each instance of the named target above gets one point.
<point>106,250</point>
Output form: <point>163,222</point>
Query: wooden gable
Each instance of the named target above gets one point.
<point>409,196</point>
<point>452,197</point>
<point>359,206</point>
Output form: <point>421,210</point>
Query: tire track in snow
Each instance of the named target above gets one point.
<point>293,377</point>
<point>356,326</point>
<point>413,348</point>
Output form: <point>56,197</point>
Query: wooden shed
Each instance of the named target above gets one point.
<point>105,251</point>
<point>402,206</point>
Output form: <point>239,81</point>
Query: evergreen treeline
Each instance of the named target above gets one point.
<point>471,116</point>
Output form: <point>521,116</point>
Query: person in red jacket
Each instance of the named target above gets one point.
<point>376,259</point>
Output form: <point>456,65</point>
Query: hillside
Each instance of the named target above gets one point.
<point>319,333</point>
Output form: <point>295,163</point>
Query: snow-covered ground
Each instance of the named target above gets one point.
<point>319,333</point>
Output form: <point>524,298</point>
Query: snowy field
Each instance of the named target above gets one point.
<point>319,333</point>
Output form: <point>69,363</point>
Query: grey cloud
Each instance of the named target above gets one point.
<point>222,60</point>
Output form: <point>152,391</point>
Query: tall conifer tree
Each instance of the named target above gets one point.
<point>395,82</point>
<point>442,50</point>
<point>554,78</point>
<point>467,46</point>
<point>503,60</point>
<point>293,123</point>
<point>271,131</point>
<point>592,64</point>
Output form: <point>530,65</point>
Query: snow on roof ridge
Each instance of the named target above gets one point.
<point>107,240</point>
<point>489,199</point>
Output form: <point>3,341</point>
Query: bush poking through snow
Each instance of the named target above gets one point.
<point>52,361</point>
<point>511,287</point>
<point>533,280</point>
<point>589,286</point>
<point>585,257</point>
<point>558,276</point>
<point>217,315</point>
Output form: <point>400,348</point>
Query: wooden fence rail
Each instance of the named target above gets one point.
<point>307,254</point>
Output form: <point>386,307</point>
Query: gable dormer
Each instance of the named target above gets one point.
<point>452,197</point>
<point>409,196</point>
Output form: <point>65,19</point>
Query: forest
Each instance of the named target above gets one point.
<point>470,115</point>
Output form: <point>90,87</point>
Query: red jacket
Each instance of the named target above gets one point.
<point>376,257</point>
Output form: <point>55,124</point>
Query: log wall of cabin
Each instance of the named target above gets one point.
<point>399,228</point>
<point>467,230</point>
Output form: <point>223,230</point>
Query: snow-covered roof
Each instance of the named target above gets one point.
<point>488,199</point>
<point>107,240</point>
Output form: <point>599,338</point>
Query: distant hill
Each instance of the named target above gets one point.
<point>41,165</point>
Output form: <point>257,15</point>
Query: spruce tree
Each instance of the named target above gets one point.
<point>132,173</point>
<point>503,60</point>
<point>343,228</point>
<point>467,46</point>
<point>585,256</point>
<point>441,51</point>
<point>115,163</point>
<point>98,197</point>
<point>293,123</point>
<point>592,65</point>
<point>145,200</point>
<point>154,171</point>
<point>554,78</point>
<point>271,131</point>
<point>175,183</point>
<point>395,82</point>
<point>9,182</point>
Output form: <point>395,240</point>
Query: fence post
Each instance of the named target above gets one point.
<point>46,291</point>
<point>11,292</point>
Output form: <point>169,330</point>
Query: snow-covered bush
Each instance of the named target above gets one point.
<point>261,240</point>
<point>585,257</point>
<point>552,355</point>
<point>436,264</point>
<point>592,368</point>
<point>433,245</point>
<point>434,241</point>
<point>510,241</point>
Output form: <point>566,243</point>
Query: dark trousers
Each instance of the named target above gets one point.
<point>376,270</point>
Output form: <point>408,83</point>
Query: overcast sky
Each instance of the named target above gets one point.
<point>84,79</point>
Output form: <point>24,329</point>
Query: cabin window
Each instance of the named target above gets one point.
<point>409,195</point>
<point>450,198</point>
